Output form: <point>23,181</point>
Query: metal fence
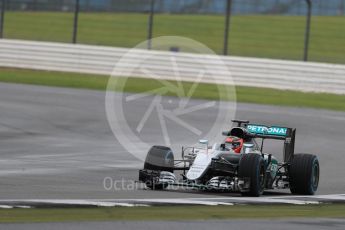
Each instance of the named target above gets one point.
<point>253,28</point>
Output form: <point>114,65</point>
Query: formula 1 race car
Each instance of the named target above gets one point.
<point>238,164</point>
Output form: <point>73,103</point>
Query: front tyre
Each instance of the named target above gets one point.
<point>304,174</point>
<point>159,158</point>
<point>252,167</point>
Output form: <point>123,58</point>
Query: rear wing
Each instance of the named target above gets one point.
<point>278,133</point>
<point>246,130</point>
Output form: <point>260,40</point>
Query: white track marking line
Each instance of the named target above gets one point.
<point>99,203</point>
<point>197,201</point>
<point>124,203</point>
<point>184,201</point>
<point>287,201</point>
<point>267,200</point>
<point>332,197</point>
<point>341,196</point>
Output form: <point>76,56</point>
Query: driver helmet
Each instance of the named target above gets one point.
<point>234,143</point>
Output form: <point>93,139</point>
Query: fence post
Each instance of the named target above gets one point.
<point>150,24</point>
<point>307,31</point>
<point>75,24</point>
<point>227,26</point>
<point>2,17</point>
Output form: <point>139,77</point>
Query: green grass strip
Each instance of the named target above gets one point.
<point>204,91</point>
<point>269,36</point>
<point>171,213</point>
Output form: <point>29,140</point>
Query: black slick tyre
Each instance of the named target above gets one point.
<point>159,158</point>
<point>252,167</point>
<point>304,174</point>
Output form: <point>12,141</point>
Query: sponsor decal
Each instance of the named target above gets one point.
<point>274,130</point>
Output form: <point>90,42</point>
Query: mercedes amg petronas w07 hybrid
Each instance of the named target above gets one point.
<point>237,164</point>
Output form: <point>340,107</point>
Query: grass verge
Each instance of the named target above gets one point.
<point>204,91</point>
<point>270,36</point>
<point>171,213</point>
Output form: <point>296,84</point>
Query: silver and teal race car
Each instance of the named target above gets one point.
<point>237,164</point>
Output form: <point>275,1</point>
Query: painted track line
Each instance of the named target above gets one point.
<point>293,200</point>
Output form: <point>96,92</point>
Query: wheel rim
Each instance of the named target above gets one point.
<point>315,177</point>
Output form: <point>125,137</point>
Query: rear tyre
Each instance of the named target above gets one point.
<point>252,167</point>
<point>304,174</point>
<point>159,158</point>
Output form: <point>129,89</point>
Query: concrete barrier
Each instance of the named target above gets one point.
<point>256,72</point>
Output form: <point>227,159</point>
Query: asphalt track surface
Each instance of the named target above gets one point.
<point>284,224</point>
<point>55,143</point>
